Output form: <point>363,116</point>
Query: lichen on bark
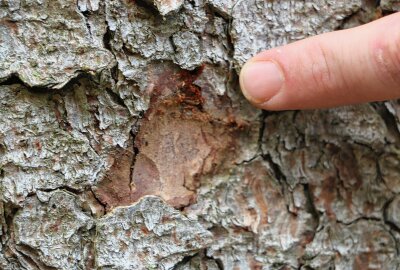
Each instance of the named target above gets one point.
<point>47,43</point>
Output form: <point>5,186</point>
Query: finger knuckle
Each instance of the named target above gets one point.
<point>387,59</point>
<point>322,69</point>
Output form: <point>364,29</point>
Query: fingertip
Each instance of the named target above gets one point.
<point>261,80</point>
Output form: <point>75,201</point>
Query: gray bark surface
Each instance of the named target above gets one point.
<point>125,142</point>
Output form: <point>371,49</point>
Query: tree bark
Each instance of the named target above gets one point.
<point>125,142</point>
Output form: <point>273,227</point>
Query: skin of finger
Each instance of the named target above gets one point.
<point>338,68</point>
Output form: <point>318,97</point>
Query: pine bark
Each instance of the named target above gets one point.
<point>125,142</point>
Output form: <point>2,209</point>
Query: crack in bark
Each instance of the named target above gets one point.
<point>311,205</point>
<point>86,17</point>
<point>277,172</point>
<point>389,119</point>
<point>185,260</point>
<point>354,221</point>
<point>108,35</point>
<point>12,79</point>
<point>104,206</point>
<point>116,98</point>
<point>259,152</point>
<point>61,188</point>
<point>10,211</point>
<point>392,226</point>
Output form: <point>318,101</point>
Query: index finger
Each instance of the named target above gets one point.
<point>339,68</point>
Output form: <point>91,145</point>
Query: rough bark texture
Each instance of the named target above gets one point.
<point>125,142</point>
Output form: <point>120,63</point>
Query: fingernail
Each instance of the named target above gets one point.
<point>261,80</point>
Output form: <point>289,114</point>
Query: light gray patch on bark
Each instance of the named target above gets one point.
<point>223,7</point>
<point>166,6</point>
<point>38,151</point>
<point>251,218</point>
<point>390,5</point>
<point>95,111</point>
<point>393,212</point>
<point>88,5</point>
<point>141,39</point>
<point>333,152</point>
<point>213,80</point>
<point>138,38</point>
<point>357,124</point>
<point>47,43</point>
<point>259,25</point>
<point>140,31</point>
<point>187,50</point>
<point>50,140</point>
<point>147,235</point>
<point>389,167</point>
<point>361,245</point>
<point>55,228</point>
<point>198,263</point>
<point>393,107</point>
<point>12,264</point>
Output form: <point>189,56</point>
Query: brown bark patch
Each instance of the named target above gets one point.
<point>10,24</point>
<point>114,190</point>
<point>180,146</point>
<point>179,139</point>
<point>178,142</point>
